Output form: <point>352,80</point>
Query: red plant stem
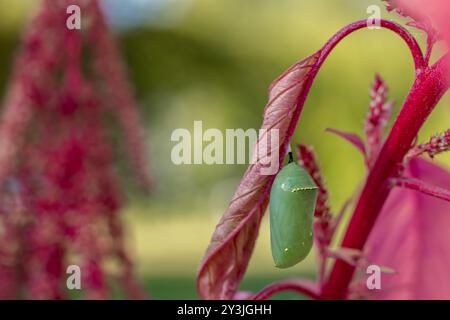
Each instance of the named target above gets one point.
<point>422,186</point>
<point>428,88</point>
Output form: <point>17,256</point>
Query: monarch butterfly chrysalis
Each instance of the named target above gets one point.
<point>292,203</point>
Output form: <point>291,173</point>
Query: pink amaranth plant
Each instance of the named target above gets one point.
<point>401,215</point>
<point>61,198</point>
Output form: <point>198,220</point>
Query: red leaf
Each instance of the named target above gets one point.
<point>233,241</point>
<point>430,14</point>
<point>403,8</point>
<point>353,138</point>
<point>411,237</point>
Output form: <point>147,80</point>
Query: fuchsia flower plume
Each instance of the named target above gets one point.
<point>61,198</point>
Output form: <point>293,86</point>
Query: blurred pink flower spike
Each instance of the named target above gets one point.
<point>411,236</point>
<point>60,197</point>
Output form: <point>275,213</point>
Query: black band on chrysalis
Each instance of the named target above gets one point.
<point>291,157</point>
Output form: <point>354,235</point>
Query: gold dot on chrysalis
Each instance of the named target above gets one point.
<point>286,249</point>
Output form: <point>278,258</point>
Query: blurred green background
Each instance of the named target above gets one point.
<point>213,61</point>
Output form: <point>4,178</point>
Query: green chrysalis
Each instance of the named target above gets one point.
<point>292,203</point>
